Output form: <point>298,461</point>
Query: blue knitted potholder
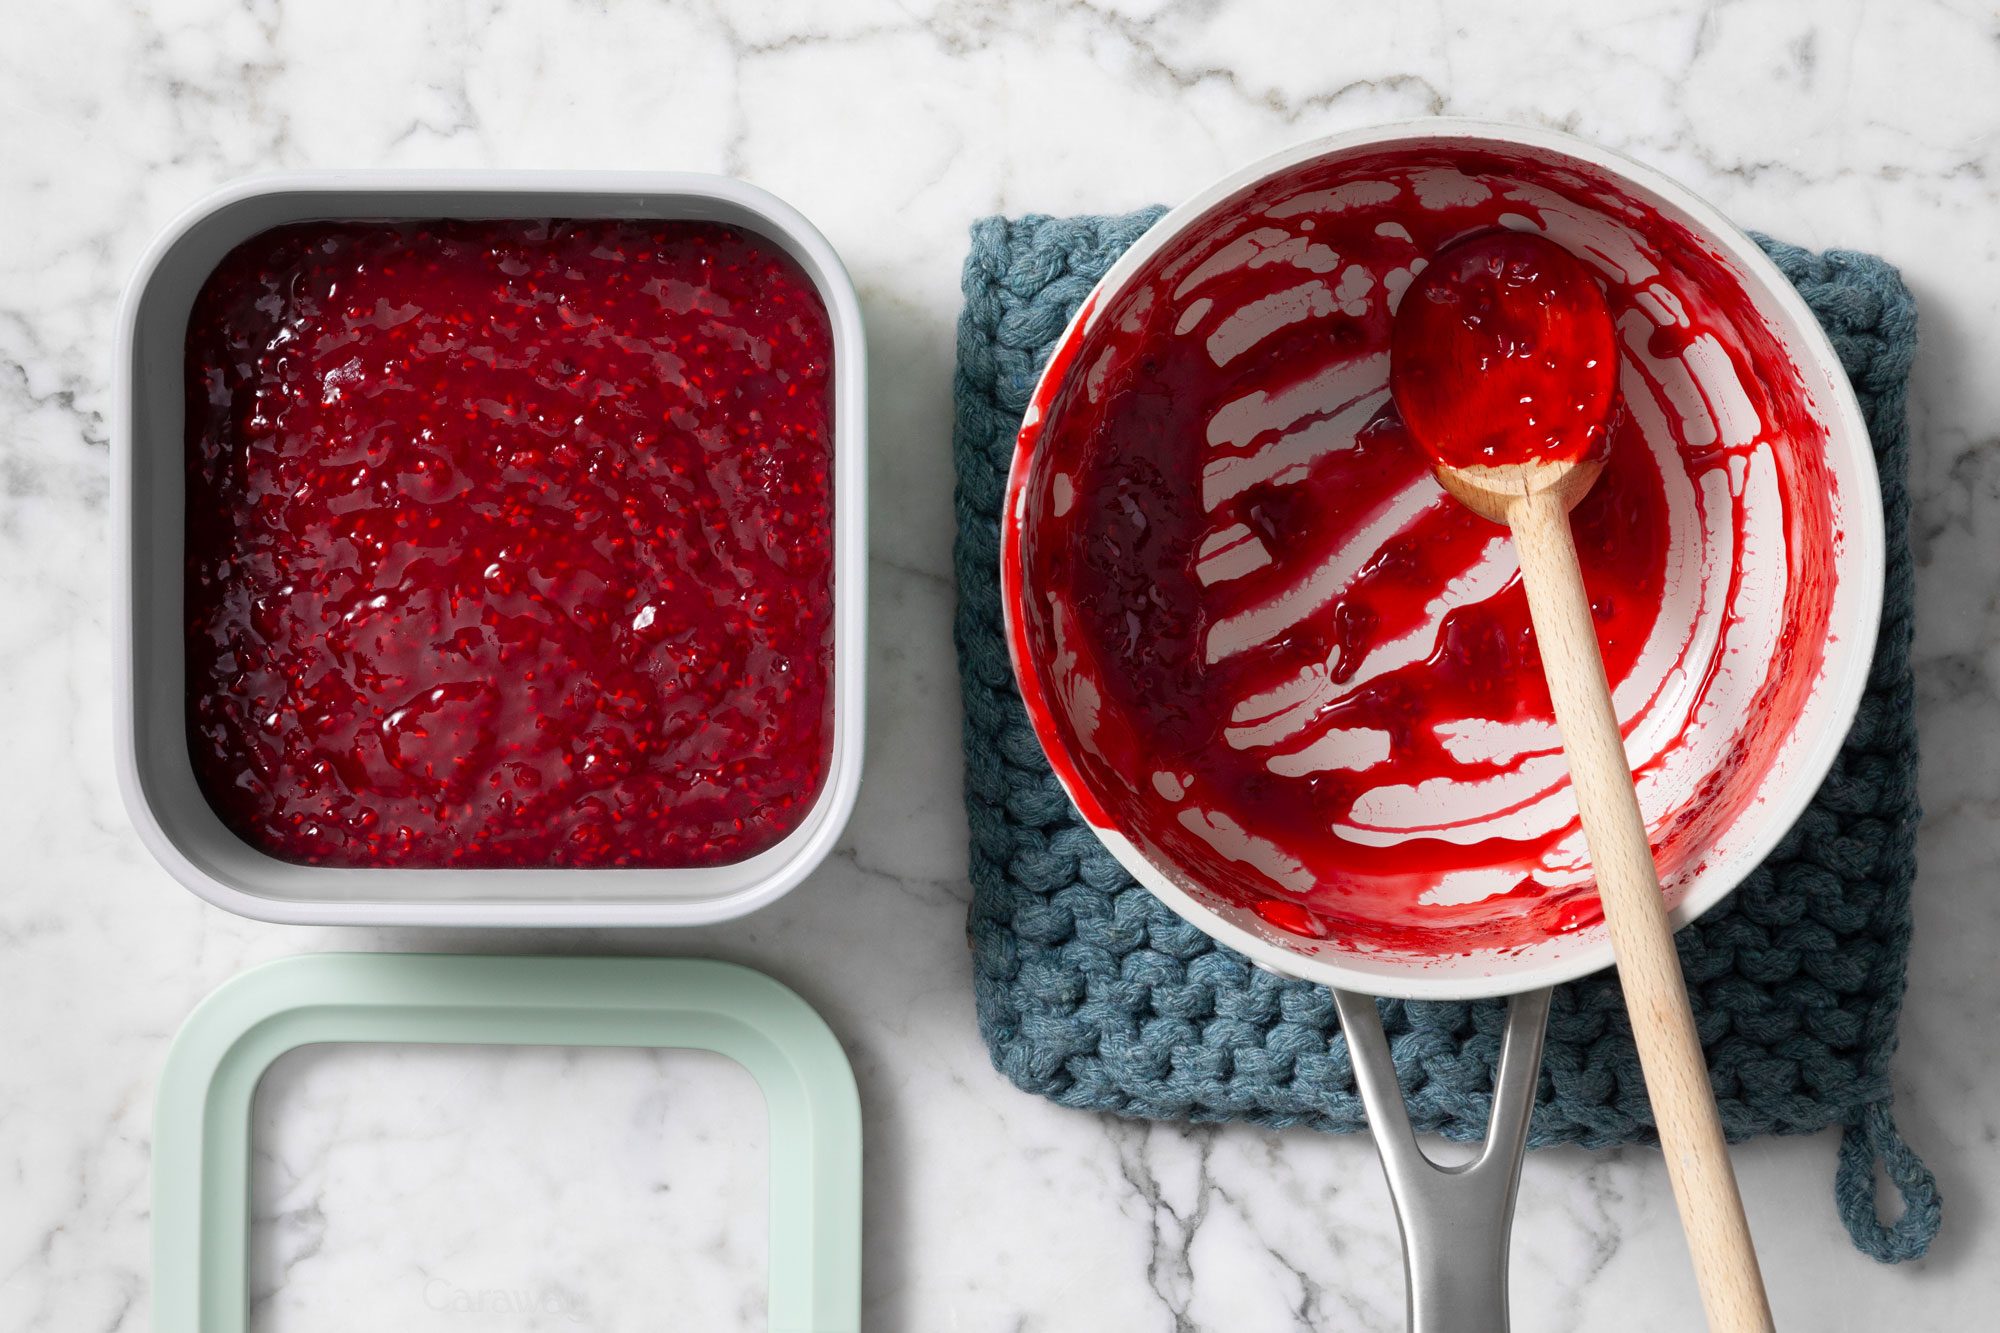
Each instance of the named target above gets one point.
<point>1092,993</point>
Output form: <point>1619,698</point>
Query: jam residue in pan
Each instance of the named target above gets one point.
<point>1276,656</point>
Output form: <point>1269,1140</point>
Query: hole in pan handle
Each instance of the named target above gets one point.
<point>1455,1220</point>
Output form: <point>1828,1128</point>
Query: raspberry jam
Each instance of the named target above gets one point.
<point>509,543</point>
<point>1263,645</point>
<point>1503,353</point>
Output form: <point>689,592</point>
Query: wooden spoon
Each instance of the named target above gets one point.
<point>1503,364</point>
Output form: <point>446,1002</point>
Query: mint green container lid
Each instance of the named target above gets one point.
<point>201,1137</point>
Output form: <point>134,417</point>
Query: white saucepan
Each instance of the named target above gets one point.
<point>1764,750</point>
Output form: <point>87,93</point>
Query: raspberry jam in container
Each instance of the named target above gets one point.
<point>494,548</point>
<point>509,543</point>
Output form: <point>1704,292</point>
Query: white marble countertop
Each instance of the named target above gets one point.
<point>449,1189</point>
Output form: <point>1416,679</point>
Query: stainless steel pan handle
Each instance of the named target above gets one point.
<point>1455,1220</point>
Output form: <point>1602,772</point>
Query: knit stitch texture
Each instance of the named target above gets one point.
<point>1092,993</point>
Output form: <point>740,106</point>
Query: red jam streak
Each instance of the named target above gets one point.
<point>509,543</point>
<point>1263,645</point>
<point>1503,353</point>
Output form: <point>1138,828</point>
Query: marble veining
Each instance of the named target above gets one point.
<point>892,123</point>
<point>616,1184</point>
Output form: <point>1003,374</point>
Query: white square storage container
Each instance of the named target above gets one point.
<point>155,771</point>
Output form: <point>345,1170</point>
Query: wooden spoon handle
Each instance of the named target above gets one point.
<point>1635,911</point>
